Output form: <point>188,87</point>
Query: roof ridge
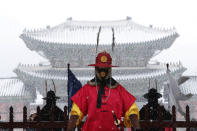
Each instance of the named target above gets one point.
<point>154,39</point>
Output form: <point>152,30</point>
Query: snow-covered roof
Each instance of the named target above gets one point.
<point>190,86</point>
<point>85,74</point>
<point>85,32</point>
<point>11,88</point>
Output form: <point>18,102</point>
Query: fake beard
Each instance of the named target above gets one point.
<point>102,76</point>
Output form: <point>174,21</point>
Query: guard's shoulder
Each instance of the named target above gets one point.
<point>116,85</point>
<point>120,87</point>
<point>91,83</point>
<point>142,109</point>
<point>162,107</point>
<point>58,109</point>
<point>44,109</point>
<point>87,86</point>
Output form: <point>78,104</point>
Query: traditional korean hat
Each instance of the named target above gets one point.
<point>103,59</point>
<point>51,96</point>
<point>152,93</point>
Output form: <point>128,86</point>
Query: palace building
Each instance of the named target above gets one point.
<point>77,43</point>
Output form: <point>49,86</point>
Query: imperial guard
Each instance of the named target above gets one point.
<point>104,101</point>
<point>153,108</point>
<point>46,111</point>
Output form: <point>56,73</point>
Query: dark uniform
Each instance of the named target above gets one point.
<point>153,108</point>
<point>46,111</point>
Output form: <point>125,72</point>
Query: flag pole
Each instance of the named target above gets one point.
<point>113,39</point>
<point>167,65</point>
<point>68,68</point>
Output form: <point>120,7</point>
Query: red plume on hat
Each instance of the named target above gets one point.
<point>103,59</point>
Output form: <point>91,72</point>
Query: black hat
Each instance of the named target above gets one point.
<point>51,96</point>
<point>152,93</point>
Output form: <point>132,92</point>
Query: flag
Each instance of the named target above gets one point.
<point>73,86</point>
<point>175,94</point>
<point>182,79</point>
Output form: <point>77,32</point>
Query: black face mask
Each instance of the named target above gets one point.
<point>103,72</point>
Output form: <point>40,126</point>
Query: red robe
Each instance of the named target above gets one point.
<point>101,119</point>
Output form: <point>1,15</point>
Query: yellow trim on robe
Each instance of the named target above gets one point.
<point>76,111</point>
<point>132,110</point>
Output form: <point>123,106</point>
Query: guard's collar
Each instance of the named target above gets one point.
<point>114,83</point>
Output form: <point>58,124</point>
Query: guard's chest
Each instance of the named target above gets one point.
<point>153,114</point>
<point>111,98</point>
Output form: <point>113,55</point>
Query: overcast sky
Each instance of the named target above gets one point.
<point>15,15</point>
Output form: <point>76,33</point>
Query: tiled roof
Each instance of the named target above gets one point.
<point>190,86</point>
<point>83,32</point>
<point>85,74</point>
<point>12,87</point>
